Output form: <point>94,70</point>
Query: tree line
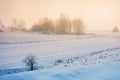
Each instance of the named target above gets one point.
<point>63,25</point>
<point>18,25</point>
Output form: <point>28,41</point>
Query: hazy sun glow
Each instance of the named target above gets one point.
<point>96,14</point>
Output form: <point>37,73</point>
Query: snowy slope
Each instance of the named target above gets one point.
<point>109,71</point>
<point>89,57</point>
<point>15,46</point>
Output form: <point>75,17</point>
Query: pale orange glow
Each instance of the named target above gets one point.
<point>96,14</point>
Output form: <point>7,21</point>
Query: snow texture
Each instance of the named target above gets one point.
<point>60,57</point>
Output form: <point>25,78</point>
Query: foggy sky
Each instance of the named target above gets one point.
<point>96,14</point>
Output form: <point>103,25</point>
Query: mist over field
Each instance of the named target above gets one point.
<point>59,40</point>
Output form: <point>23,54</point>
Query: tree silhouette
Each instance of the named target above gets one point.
<point>63,25</point>
<point>30,62</point>
<point>14,24</point>
<point>78,26</point>
<point>21,25</point>
<point>115,29</point>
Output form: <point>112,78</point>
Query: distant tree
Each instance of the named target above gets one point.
<point>69,26</point>
<point>78,26</point>
<point>30,62</point>
<point>36,27</point>
<point>14,23</point>
<point>115,29</point>
<point>1,26</point>
<point>21,25</point>
<point>1,22</point>
<point>47,25</point>
<point>62,24</point>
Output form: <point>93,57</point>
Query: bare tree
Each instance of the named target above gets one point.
<point>30,62</point>
<point>15,23</point>
<point>1,22</point>
<point>44,25</point>
<point>78,26</point>
<point>47,25</point>
<point>21,25</point>
<point>63,24</point>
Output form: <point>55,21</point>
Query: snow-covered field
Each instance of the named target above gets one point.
<point>85,57</point>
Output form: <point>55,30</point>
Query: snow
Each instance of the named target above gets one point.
<point>85,57</point>
<point>109,71</point>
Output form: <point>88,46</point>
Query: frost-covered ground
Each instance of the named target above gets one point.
<point>110,71</point>
<point>63,57</point>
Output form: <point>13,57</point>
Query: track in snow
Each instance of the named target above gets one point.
<point>98,57</point>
